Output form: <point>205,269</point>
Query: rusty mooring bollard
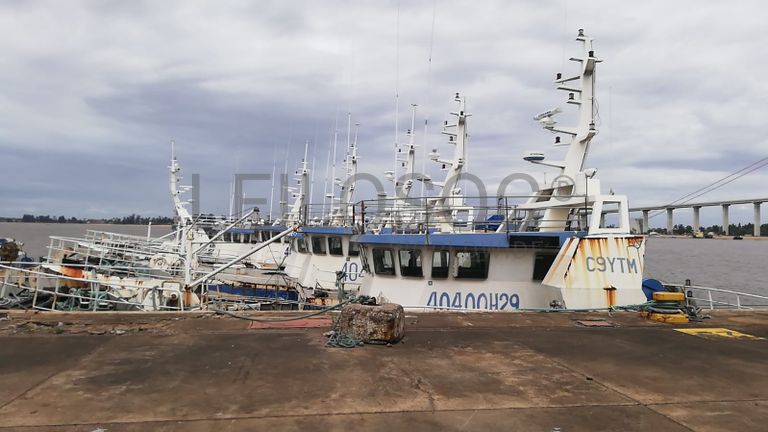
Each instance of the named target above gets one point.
<point>373,324</point>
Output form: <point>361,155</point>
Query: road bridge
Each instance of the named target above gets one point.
<point>724,204</point>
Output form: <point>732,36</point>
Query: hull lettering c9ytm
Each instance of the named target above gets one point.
<point>611,264</point>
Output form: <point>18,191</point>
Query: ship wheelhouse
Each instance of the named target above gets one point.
<point>318,252</point>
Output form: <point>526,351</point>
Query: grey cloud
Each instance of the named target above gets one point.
<point>93,92</point>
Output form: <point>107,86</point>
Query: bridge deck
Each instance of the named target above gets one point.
<point>699,204</point>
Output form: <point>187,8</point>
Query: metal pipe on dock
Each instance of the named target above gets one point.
<point>242,257</point>
<point>221,232</point>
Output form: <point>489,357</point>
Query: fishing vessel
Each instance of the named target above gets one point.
<point>565,246</point>
<point>324,256</point>
<point>549,250</point>
<point>321,255</point>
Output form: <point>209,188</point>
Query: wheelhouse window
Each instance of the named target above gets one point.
<point>472,265</point>
<point>440,264</point>
<point>334,246</point>
<point>541,265</point>
<point>354,249</point>
<point>383,262</point>
<point>410,263</point>
<point>301,245</point>
<point>319,246</point>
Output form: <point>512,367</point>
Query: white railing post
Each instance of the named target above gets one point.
<point>55,293</point>
<point>711,304</point>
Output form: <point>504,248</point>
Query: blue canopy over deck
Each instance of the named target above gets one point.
<point>480,240</point>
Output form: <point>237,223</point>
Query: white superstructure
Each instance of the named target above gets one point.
<point>552,250</point>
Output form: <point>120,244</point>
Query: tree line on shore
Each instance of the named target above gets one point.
<point>733,229</point>
<point>133,219</point>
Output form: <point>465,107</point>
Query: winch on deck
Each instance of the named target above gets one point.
<point>665,306</point>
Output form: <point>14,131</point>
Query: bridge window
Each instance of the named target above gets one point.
<point>472,265</point>
<point>440,264</point>
<point>541,265</point>
<point>227,237</point>
<point>383,262</point>
<point>334,246</point>
<point>354,248</point>
<point>255,237</point>
<point>301,245</point>
<point>319,246</point>
<point>410,263</point>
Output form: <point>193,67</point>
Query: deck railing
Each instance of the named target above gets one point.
<point>718,298</point>
<point>52,291</point>
<point>461,213</point>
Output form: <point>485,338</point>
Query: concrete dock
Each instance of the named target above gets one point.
<point>453,372</point>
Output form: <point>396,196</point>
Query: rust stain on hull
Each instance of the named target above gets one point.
<point>610,295</point>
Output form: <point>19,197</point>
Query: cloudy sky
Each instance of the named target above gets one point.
<point>94,91</point>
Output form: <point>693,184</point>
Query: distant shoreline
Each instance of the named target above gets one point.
<point>78,222</point>
<point>160,220</point>
<point>721,237</point>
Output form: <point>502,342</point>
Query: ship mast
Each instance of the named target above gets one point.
<point>174,176</point>
<point>408,161</point>
<point>577,180</point>
<point>300,197</point>
<point>445,205</point>
<point>348,186</point>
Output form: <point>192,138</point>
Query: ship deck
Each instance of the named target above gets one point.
<point>453,372</point>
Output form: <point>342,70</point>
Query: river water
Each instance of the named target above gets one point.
<point>739,265</point>
<point>730,264</point>
<point>35,236</point>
